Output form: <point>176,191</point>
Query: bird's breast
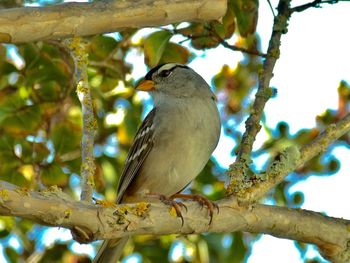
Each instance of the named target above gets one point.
<point>183,143</point>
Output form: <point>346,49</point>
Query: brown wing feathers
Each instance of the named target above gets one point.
<point>138,152</point>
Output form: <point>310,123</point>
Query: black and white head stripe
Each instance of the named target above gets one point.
<point>162,67</point>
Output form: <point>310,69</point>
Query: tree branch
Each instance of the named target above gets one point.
<point>331,133</point>
<point>241,49</point>
<point>55,208</point>
<point>315,4</point>
<point>225,44</point>
<point>239,171</point>
<point>79,55</point>
<point>289,160</point>
<point>18,25</point>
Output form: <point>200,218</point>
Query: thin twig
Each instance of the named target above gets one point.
<point>239,171</point>
<point>315,4</point>
<point>244,50</point>
<point>223,42</point>
<point>291,159</point>
<point>331,133</point>
<point>38,183</point>
<point>271,7</point>
<point>77,49</point>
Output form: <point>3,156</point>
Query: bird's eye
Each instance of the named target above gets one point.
<point>165,73</point>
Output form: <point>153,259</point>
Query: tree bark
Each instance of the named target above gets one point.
<point>19,25</point>
<point>55,208</point>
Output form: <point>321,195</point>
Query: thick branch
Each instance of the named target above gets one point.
<point>53,207</point>
<point>26,24</point>
<point>239,171</point>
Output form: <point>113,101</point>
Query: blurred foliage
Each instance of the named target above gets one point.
<point>246,15</point>
<point>40,125</point>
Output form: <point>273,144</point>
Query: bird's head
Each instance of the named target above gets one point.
<point>174,80</point>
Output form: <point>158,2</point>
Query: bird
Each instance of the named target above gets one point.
<point>173,143</point>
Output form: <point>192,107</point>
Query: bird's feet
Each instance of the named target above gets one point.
<point>175,205</point>
<point>203,201</point>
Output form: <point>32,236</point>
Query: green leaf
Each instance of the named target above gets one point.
<point>205,42</point>
<point>32,152</point>
<point>154,46</point>
<point>66,138</point>
<point>6,148</point>
<point>6,68</point>
<point>238,249</point>
<point>11,254</point>
<point>200,35</point>
<point>236,83</point>
<point>130,125</point>
<point>298,198</point>
<point>29,53</point>
<point>41,152</point>
<point>9,174</point>
<point>100,47</point>
<point>175,53</point>
<point>4,233</point>
<point>246,12</point>
<point>55,254</point>
<point>43,63</point>
<point>107,84</point>
<point>73,165</point>
<point>53,175</point>
<point>47,91</point>
<point>22,121</point>
<point>227,27</point>
<point>16,116</point>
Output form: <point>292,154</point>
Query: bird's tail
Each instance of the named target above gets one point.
<point>111,250</point>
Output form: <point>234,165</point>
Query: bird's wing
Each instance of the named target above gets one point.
<point>138,153</point>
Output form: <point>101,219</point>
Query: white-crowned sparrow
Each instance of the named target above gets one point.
<point>173,143</point>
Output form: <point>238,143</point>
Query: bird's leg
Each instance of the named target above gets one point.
<point>170,202</point>
<point>203,201</point>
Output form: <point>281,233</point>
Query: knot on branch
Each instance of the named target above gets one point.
<point>82,235</point>
<point>284,162</point>
<point>240,175</point>
<point>248,186</point>
<point>334,252</point>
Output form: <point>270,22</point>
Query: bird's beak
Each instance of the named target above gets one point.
<point>146,85</point>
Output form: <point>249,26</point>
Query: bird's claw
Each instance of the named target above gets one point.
<point>203,201</point>
<point>175,205</point>
<point>172,203</point>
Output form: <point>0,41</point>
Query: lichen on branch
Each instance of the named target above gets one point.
<point>80,57</point>
<point>239,171</point>
<point>286,162</point>
<point>103,221</point>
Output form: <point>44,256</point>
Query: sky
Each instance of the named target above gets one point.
<point>315,57</point>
